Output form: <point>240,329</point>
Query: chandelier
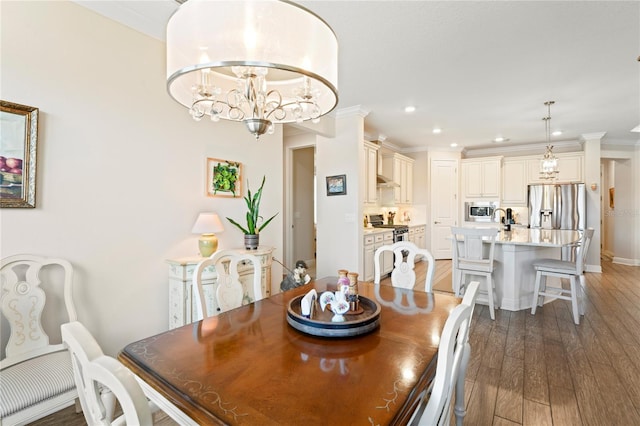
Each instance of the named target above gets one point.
<point>549,162</point>
<point>258,62</point>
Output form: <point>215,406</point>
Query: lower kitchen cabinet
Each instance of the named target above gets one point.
<point>372,242</point>
<point>418,236</point>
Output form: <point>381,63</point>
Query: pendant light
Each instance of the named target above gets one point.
<point>549,162</point>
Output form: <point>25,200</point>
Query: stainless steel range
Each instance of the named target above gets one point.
<point>400,232</point>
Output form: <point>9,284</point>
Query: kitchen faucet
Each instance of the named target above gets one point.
<point>507,226</point>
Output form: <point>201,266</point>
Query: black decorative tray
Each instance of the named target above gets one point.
<point>321,325</point>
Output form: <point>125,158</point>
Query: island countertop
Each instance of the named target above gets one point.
<point>538,237</point>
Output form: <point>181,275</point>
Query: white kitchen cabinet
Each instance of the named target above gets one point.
<point>514,182</point>
<point>370,173</point>
<point>373,241</point>
<point>418,236</point>
<point>481,177</point>
<point>182,308</point>
<point>569,168</point>
<point>400,169</point>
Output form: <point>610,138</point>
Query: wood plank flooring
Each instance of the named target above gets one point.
<point>543,369</point>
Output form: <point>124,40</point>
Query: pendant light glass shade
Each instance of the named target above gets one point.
<point>549,162</point>
<point>259,62</point>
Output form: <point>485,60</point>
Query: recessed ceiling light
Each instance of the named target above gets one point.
<point>500,139</point>
<point>409,109</point>
<point>557,133</point>
<point>453,145</point>
<point>437,130</point>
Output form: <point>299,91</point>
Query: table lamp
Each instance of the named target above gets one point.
<point>207,224</point>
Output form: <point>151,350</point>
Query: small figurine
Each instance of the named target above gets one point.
<point>338,303</point>
<point>296,278</point>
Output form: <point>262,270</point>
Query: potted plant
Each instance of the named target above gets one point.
<point>251,232</point>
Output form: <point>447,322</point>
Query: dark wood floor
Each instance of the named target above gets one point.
<point>543,369</point>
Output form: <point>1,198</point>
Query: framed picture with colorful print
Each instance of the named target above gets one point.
<point>18,148</point>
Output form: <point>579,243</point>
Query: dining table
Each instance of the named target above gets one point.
<point>251,366</point>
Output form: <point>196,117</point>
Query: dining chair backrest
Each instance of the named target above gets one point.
<point>35,368</point>
<point>471,294</point>
<point>230,292</point>
<point>404,257</point>
<point>100,378</point>
<point>583,249</point>
<point>468,247</point>
<point>450,358</point>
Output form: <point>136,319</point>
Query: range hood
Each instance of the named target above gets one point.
<point>385,182</point>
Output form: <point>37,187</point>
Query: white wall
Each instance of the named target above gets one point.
<point>120,165</point>
<point>339,227</point>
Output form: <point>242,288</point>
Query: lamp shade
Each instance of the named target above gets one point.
<point>279,51</point>
<point>207,223</point>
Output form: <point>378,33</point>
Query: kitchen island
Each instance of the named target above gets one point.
<point>515,251</point>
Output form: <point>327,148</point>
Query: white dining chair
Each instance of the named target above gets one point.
<point>36,377</point>
<point>473,250</point>
<point>469,299</point>
<point>403,274</point>
<point>572,271</point>
<point>230,292</point>
<point>436,404</point>
<point>101,380</point>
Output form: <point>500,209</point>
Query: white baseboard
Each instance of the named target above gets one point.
<point>593,268</point>
<point>624,261</point>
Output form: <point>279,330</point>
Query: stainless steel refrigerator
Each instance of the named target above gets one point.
<point>558,206</point>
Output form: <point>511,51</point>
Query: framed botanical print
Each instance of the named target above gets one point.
<point>224,178</point>
<point>18,148</point>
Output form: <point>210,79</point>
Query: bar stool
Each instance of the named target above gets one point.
<point>573,271</point>
<point>471,258</point>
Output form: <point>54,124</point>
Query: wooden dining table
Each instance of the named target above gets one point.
<point>249,366</point>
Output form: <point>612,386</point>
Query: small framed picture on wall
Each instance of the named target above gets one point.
<point>224,178</point>
<point>337,185</point>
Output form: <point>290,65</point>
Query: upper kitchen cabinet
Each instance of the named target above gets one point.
<point>514,182</point>
<point>400,169</point>
<point>481,177</point>
<point>569,168</point>
<point>370,173</point>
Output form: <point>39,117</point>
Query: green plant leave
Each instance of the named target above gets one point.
<point>253,212</point>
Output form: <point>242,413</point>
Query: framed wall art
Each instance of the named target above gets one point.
<point>18,148</point>
<point>337,185</point>
<point>224,178</point>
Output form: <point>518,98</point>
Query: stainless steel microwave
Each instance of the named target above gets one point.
<point>479,211</point>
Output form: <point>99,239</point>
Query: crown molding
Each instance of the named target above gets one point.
<point>523,149</point>
<point>351,111</point>
<point>592,136</point>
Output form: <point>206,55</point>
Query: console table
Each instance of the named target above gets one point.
<point>181,301</point>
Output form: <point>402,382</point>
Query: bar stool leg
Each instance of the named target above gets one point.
<point>490,295</point>
<point>536,293</point>
<point>574,299</point>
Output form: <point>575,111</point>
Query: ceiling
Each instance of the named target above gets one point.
<point>477,70</point>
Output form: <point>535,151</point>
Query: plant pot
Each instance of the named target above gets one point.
<point>251,241</point>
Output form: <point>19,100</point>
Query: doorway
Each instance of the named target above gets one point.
<point>302,207</point>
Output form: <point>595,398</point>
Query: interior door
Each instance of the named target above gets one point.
<point>444,206</point>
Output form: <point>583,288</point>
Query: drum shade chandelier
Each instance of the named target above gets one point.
<point>259,62</point>
<point>549,162</point>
